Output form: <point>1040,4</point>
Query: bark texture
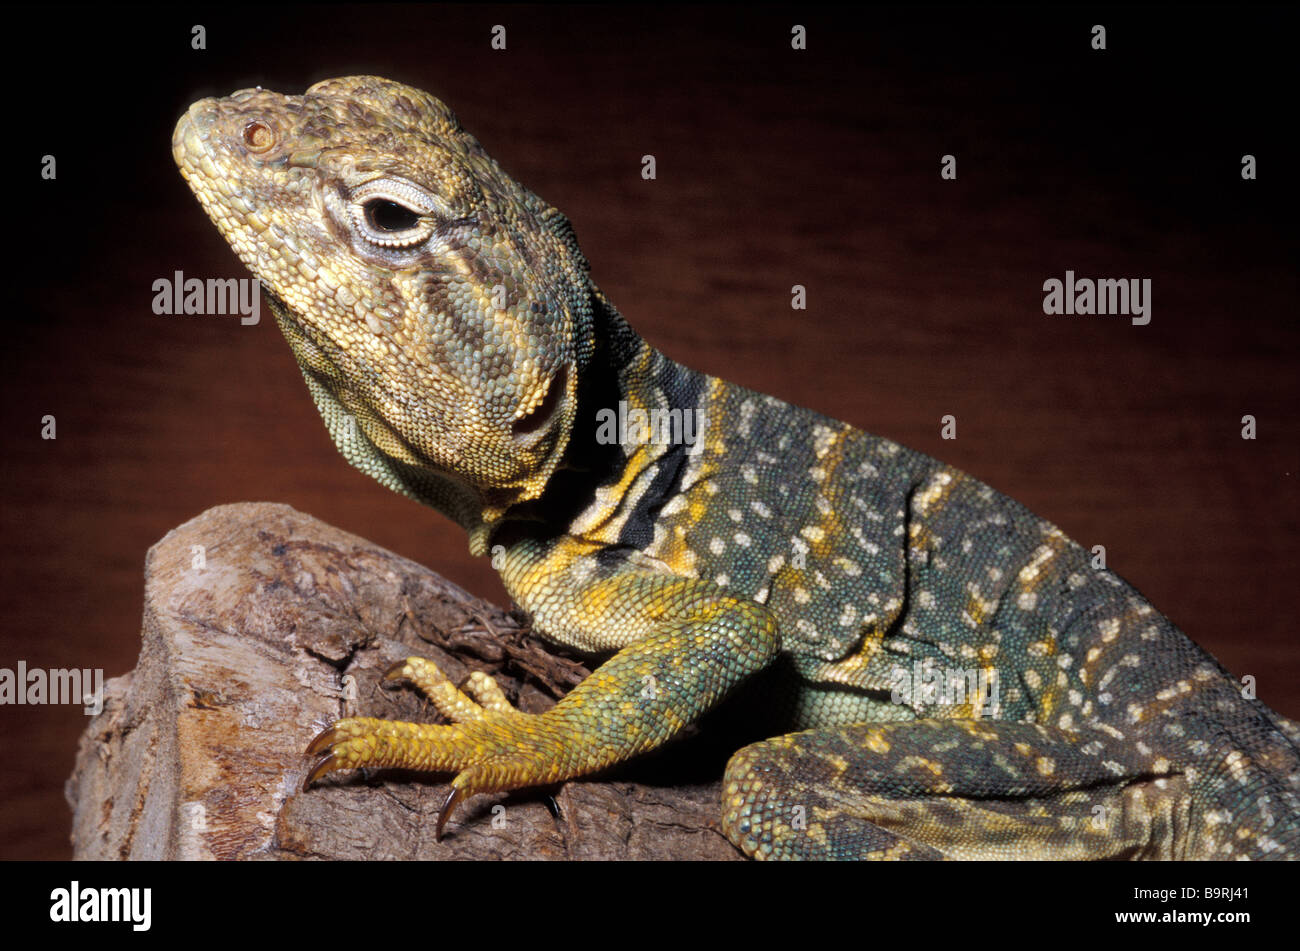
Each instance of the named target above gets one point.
<point>262,625</point>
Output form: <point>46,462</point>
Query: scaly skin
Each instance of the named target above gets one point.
<point>450,334</point>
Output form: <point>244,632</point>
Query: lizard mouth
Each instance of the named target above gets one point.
<point>537,418</point>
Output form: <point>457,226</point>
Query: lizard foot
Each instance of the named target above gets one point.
<point>490,746</point>
<point>480,695</point>
<point>951,789</point>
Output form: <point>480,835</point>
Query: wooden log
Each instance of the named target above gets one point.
<point>262,625</point>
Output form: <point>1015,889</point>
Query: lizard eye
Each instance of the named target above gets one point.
<point>389,217</point>
<point>393,214</point>
<point>258,136</point>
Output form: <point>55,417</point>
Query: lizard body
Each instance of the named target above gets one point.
<point>459,352</point>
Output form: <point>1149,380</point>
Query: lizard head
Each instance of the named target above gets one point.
<point>441,313</point>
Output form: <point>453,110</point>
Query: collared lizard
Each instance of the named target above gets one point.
<point>941,673</point>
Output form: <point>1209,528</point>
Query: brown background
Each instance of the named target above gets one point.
<point>775,168</point>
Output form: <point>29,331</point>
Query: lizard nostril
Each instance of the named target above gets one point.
<point>258,136</point>
<point>531,422</point>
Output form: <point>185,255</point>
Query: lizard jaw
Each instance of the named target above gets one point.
<point>535,420</point>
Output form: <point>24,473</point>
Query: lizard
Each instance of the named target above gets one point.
<point>931,671</point>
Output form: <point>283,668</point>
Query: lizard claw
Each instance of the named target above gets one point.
<point>455,796</point>
<point>493,753</point>
<point>397,672</point>
<point>553,806</point>
<point>327,741</point>
<point>327,764</point>
<point>323,741</point>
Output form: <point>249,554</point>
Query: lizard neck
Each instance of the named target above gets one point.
<point>638,420</point>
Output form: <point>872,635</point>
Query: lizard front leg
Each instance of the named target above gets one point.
<point>687,645</point>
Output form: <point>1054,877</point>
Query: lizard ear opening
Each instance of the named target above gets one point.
<point>541,414</point>
<point>559,225</point>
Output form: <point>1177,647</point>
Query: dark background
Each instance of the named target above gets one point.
<point>775,167</point>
